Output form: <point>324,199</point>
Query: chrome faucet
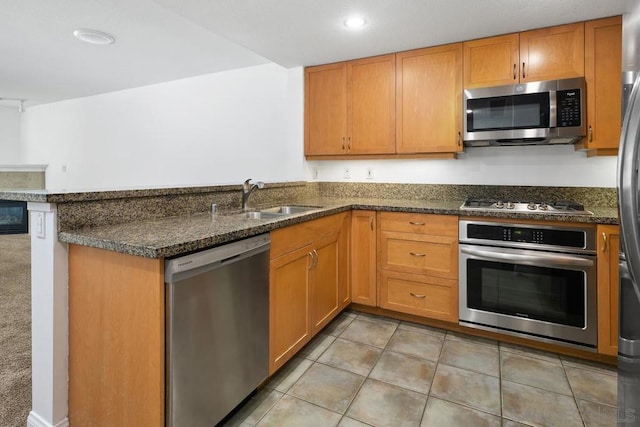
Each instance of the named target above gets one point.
<point>247,189</point>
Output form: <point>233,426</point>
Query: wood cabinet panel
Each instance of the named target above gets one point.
<point>420,295</point>
<point>288,306</point>
<point>609,242</point>
<point>420,254</point>
<point>363,258</point>
<point>429,100</point>
<point>324,280</point>
<point>116,338</point>
<point>492,61</point>
<point>603,63</point>
<point>442,225</point>
<point>287,239</point>
<point>371,105</point>
<point>326,109</point>
<point>552,53</point>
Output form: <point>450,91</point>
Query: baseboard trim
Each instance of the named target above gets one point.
<point>36,420</point>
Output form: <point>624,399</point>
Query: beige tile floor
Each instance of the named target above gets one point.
<point>365,370</point>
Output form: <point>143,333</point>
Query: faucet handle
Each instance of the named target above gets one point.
<point>260,184</point>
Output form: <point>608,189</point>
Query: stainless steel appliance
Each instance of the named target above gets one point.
<point>217,330</point>
<point>558,207</point>
<point>535,281</point>
<point>545,112</point>
<point>628,163</point>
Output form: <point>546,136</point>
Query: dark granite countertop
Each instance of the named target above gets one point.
<point>172,236</point>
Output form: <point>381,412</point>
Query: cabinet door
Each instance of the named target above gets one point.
<point>324,281</point>
<point>363,258</point>
<point>326,109</point>
<point>429,100</point>
<point>344,264</point>
<point>609,242</point>
<point>492,61</point>
<point>552,53</point>
<point>603,40</point>
<point>288,306</point>
<point>371,108</point>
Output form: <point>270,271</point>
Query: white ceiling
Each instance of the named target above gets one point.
<point>162,40</point>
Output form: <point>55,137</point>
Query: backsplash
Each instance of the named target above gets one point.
<point>589,196</point>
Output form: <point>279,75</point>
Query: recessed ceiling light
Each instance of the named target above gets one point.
<point>355,22</point>
<point>93,36</point>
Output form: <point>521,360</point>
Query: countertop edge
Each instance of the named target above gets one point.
<point>244,229</point>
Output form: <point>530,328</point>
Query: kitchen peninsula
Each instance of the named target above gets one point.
<point>126,235</point>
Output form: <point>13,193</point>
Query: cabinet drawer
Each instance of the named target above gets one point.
<point>287,239</point>
<point>419,254</point>
<point>427,296</point>
<point>442,225</point>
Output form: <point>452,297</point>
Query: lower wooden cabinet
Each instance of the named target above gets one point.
<point>418,264</point>
<point>608,252</point>
<point>308,284</point>
<point>363,258</point>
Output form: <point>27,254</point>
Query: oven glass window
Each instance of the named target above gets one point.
<point>525,111</point>
<point>540,293</point>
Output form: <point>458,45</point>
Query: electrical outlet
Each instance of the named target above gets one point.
<point>347,173</point>
<point>369,173</point>
<point>314,172</point>
<point>64,168</point>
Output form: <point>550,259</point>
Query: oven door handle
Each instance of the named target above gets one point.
<point>546,260</point>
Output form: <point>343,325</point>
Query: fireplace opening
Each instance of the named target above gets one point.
<point>14,217</point>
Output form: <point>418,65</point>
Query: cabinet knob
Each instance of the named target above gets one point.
<point>523,73</point>
<point>591,135</point>
<point>420,296</point>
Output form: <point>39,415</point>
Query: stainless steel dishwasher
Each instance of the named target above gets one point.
<point>217,330</point>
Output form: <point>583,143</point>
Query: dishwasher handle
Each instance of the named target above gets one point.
<point>182,267</point>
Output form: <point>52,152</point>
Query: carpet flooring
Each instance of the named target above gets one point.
<point>15,330</point>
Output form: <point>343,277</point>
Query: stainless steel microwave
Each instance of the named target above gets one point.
<point>545,112</point>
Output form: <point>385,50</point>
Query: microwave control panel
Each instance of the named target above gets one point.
<point>569,106</point>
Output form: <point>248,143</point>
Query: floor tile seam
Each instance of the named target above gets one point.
<point>379,321</point>
<point>316,405</point>
<point>270,408</point>
<point>466,406</point>
<point>435,372</point>
<point>573,395</point>
<point>304,372</point>
<point>474,344</point>
<point>422,331</point>
<point>412,356</point>
<point>472,341</point>
<point>591,369</point>
<point>363,343</point>
<point>531,355</point>
<point>539,388</point>
<point>341,369</point>
<point>471,370</point>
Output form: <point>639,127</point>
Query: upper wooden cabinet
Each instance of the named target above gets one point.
<point>603,65</point>
<point>544,54</point>
<point>350,107</point>
<point>493,61</point>
<point>429,100</point>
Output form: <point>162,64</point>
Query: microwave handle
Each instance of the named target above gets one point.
<point>546,260</point>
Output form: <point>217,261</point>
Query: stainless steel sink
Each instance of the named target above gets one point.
<point>289,210</point>
<point>262,215</point>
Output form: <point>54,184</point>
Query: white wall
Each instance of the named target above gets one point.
<point>248,123</point>
<point>532,165</point>
<point>214,129</point>
<point>9,135</point>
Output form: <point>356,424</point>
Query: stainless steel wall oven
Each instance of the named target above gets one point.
<point>534,281</point>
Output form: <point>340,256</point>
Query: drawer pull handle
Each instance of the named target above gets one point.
<point>420,296</point>
<point>416,254</point>
<point>416,223</point>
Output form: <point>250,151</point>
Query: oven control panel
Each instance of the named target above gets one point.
<point>527,234</point>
